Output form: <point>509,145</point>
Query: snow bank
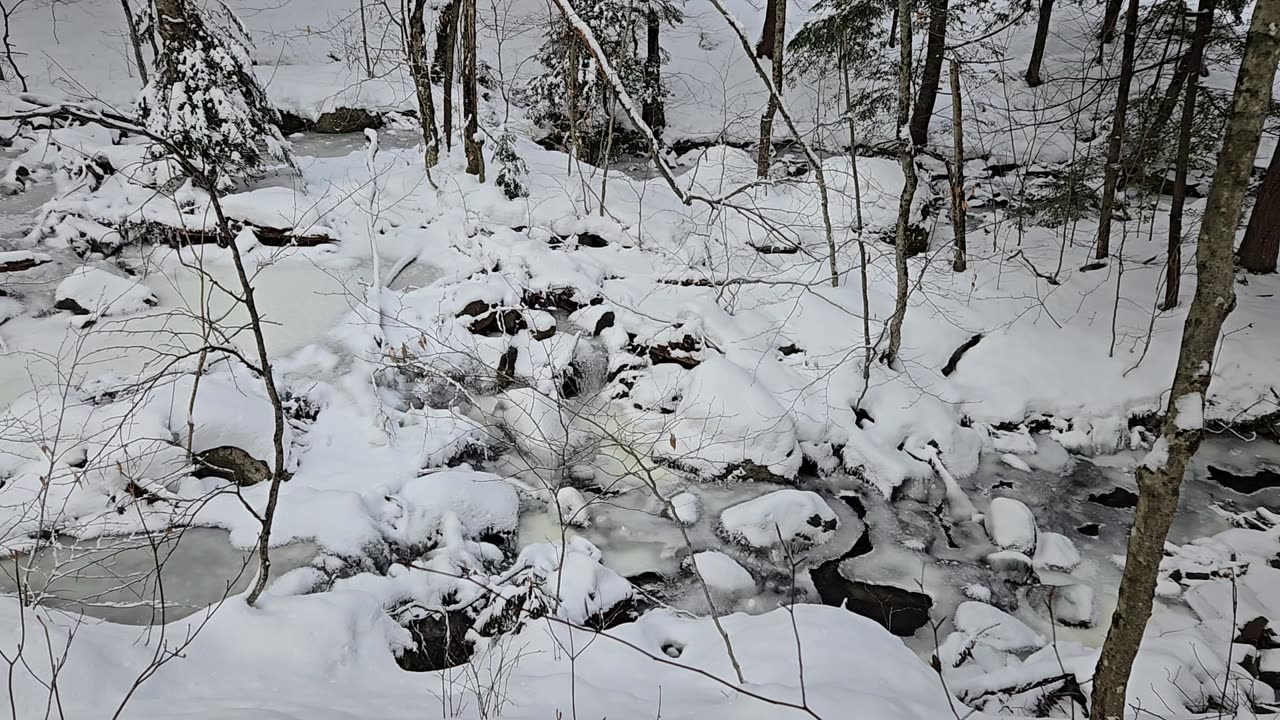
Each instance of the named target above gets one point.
<point>93,291</point>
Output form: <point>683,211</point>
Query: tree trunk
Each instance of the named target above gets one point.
<point>654,111</point>
<point>1116,142</point>
<point>443,64</point>
<point>906,156</point>
<point>1195,58</point>
<point>931,74</point>
<point>769,33</point>
<point>471,142</point>
<point>1110,16</point>
<point>1262,238</point>
<point>766,120</point>
<point>1042,38</point>
<point>1161,473</point>
<point>958,206</point>
<point>572,67</point>
<point>135,40</point>
<point>421,72</point>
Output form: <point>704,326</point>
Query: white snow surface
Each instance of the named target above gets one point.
<point>102,293</point>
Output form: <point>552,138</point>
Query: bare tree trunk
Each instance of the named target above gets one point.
<point>766,120</point>
<point>931,74</point>
<point>857,206</point>
<point>906,156</point>
<point>471,142</point>
<point>1110,16</point>
<point>1262,237</point>
<point>1160,475</point>
<point>443,64</point>
<point>135,40</point>
<point>364,42</point>
<point>959,208</point>
<point>654,108</point>
<point>420,69</point>
<point>1195,58</point>
<point>1042,39</point>
<point>572,68</point>
<point>769,33</point>
<point>1116,142</point>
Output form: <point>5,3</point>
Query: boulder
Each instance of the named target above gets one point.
<point>1011,525</point>
<point>231,464</point>
<point>797,518</point>
<point>439,640</point>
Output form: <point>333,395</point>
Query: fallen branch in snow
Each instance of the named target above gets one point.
<point>965,347</point>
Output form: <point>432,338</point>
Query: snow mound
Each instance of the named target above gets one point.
<point>93,291</point>
<point>995,628</point>
<point>727,419</point>
<point>483,502</point>
<point>1055,551</point>
<point>798,518</point>
<point>724,577</point>
<point>1011,525</point>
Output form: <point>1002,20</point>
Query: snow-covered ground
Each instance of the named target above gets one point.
<point>647,406</point>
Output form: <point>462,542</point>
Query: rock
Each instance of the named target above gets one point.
<point>573,507</point>
<point>1116,497</point>
<point>1013,565</point>
<point>1015,462</point>
<point>1070,605</point>
<point>797,518</point>
<point>688,508</point>
<point>1055,552</point>
<point>1011,525</point>
<point>439,640</point>
<point>995,628</point>
<point>725,578</point>
<point>604,322</point>
<point>232,464</point>
<point>19,260</point>
<point>901,612</point>
<point>91,290</point>
<point>498,322</point>
<point>341,121</point>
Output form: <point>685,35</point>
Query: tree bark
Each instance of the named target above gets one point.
<point>766,120</point>
<point>471,142</point>
<point>769,33</point>
<point>1262,237</point>
<point>654,112</point>
<point>1042,39</point>
<point>443,64</point>
<point>1159,477</point>
<point>931,74</point>
<point>1182,158</point>
<point>135,40</point>
<point>421,72</point>
<point>906,156</point>
<point>958,206</point>
<point>1116,143</point>
<point>1110,16</point>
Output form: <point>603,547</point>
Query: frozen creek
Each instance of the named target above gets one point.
<point>901,544</point>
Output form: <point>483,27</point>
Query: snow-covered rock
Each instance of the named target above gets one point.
<point>1011,525</point>
<point>687,507</point>
<point>573,507</point>
<point>483,503</point>
<point>1015,462</point>
<point>1070,605</point>
<point>1055,551</point>
<point>726,421</point>
<point>799,518</point>
<point>725,578</point>
<point>995,628</point>
<point>94,291</point>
